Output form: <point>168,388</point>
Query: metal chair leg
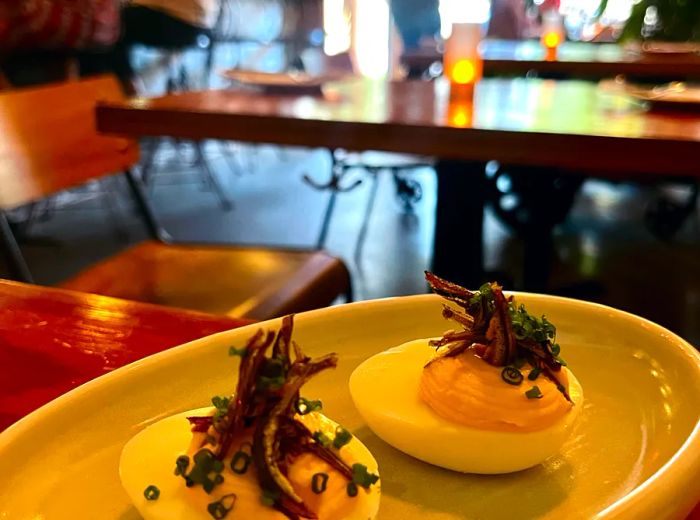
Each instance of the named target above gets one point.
<point>325,224</point>
<point>150,153</point>
<point>110,193</point>
<point>362,236</point>
<point>338,171</point>
<point>18,266</point>
<point>225,202</point>
<point>144,207</point>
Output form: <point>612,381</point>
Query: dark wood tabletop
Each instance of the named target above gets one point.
<point>573,59</point>
<point>575,126</point>
<point>52,340</point>
<point>569,124</point>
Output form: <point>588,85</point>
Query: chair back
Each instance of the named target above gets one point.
<point>49,141</point>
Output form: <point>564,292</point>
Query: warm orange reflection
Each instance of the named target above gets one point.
<point>550,54</point>
<point>460,113</point>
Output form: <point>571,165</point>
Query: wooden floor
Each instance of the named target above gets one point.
<point>604,252</point>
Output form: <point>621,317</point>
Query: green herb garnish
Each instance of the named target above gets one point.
<point>240,462</point>
<point>527,326</point>
<point>322,439</point>
<point>342,437</point>
<point>534,373</point>
<point>512,376</point>
<point>240,352</point>
<point>483,298</point>
<point>273,374</point>
<point>318,482</point>
<point>304,406</point>
<point>222,507</point>
<point>206,471</point>
<point>221,404</point>
<point>362,477</point>
<point>534,393</point>
<point>181,465</point>
<point>351,489</point>
<point>151,492</point>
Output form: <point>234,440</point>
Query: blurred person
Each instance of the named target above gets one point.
<point>509,20</point>
<point>164,24</point>
<point>416,21</point>
<point>39,38</point>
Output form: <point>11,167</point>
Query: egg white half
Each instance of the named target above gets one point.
<point>149,459</point>
<point>384,389</point>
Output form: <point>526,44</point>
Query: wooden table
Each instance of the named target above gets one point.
<point>573,60</point>
<point>571,125</point>
<point>52,340</point>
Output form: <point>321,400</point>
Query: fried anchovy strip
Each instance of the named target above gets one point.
<point>243,402</point>
<point>501,341</point>
<point>460,317</point>
<point>448,290</point>
<point>266,439</point>
<point>455,343</point>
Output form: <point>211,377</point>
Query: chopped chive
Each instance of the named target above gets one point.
<point>351,489</point>
<point>241,352</point>
<point>322,439</point>
<point>151,492</point>
<point>342,437</point>
<point>206,471</point>
<point>512,376</point>
<point>221,404</point>
<point>181,464</point>
<point>240,462</point>
<point>318,482</point>
<point>304,406</point>
<point>362,477</point>
<point>534,393</point>
<point>222,507</point>
<point>534,373</point>
<point>560,361</point>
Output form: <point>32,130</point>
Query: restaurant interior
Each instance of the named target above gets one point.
<point>172,169</point>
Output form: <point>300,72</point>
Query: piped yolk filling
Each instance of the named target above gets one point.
<point>333,502</point>
<point>467,390</point>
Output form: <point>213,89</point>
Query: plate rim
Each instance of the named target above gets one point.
<point>684,464</point>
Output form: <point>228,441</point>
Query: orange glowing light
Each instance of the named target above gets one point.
<point>464,72</point>
<point>551,40</point>
<point>460,113</point>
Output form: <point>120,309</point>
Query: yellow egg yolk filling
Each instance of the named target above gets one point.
<point>467,390</point>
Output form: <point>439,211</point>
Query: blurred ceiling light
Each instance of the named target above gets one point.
<point>371,37</point>
<point>336,25</point>
<point>461,11</point>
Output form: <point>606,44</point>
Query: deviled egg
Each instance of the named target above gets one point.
<point>265,452</point>
<point>492,397</point>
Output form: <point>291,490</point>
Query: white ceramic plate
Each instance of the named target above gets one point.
<point>278,80</point>
<point>635,454</point>
<point>670,48</point>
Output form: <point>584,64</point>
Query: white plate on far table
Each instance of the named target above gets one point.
<point>635,453</point>
<point>279,80</point>
<point>670,48</point>
<point>675,94</point>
